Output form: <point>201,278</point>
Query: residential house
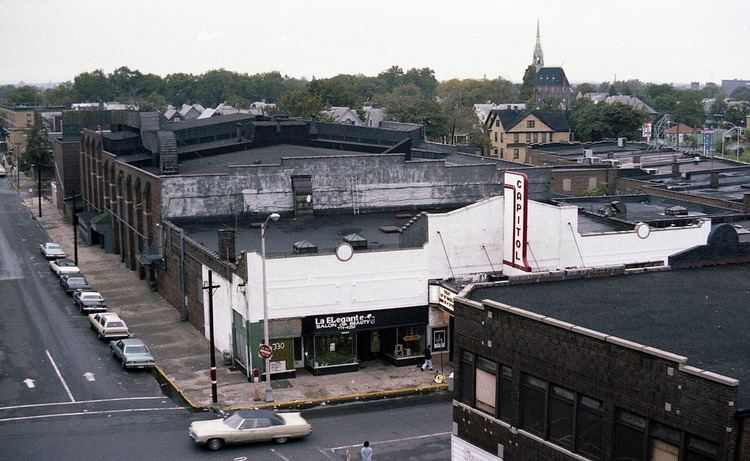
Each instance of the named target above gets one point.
<point>511,131</point>
<point>343,115</point>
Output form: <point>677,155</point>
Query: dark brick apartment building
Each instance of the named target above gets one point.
<point>647,366</point>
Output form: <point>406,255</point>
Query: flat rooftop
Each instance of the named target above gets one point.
<point>702,314</point>
<point>645,208</point>
<point>268,155</point>
<point>326,231</point>
<point>733,184</point>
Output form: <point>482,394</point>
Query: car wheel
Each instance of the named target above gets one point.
<point>99,336</point>
<point>215,444</point>
<point>280,439</point>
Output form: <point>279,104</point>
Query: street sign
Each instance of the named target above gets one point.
<point>265,351</point>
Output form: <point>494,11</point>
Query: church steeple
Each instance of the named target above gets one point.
<point>538,55</point>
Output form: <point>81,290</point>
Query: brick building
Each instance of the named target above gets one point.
<point>642,366</point>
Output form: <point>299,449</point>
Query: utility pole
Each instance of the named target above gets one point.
<point>210,287</point>
<point>18,167</point>
<point>75,228</point>
<point>39,185</point>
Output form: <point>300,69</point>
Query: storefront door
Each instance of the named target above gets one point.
<point>363,346</point>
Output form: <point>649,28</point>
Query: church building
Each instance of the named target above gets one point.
<point>552,86</point>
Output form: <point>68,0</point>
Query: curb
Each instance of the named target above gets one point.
<point>362,397</point>
<point>164,380</point>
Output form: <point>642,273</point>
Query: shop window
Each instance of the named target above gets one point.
<point>561,416</point>
<point>630,433</point>
<point>664,443</point>
<point>467,378</point>
<point>403,342</point>
<point>331,350</point>
<point>589,427</point>
<point>505,401</point>
<point>485,385</point>
<point>533,404</point>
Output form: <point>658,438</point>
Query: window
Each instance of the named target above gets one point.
<point>664,443</point>
<point>536,138</point>
<point>515,137</point>
<point>467,378</point>
<point>701,450</point>
<point>501,137</point>
<point>530,123</point>
<point>502,153</point>
<point>533,403</point>
<point>495,152</point>
<point>495,136</point>
<point>567,184</point>
<point>544,138</point>
<point>515,154</point>
<point>561,416</point>
<point>630,433</point>
<point>485,385</point>
<point>497,122</point>
<point>589,427</point>
<point>528,138</point>
<point>504,400</point>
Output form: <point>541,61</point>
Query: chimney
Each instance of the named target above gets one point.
<point>714,179</point>
<point>636,159</point>
<point>746,203</point>
<point>226,245</point>
<point>675,165</point>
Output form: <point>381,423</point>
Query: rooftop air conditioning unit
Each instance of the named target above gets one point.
<point>651,170</point>
<point>588,153</point>
<point>622,142</point>
<point>637,165</point>
<point>596,161</point>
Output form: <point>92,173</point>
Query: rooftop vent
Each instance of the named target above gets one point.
<point>304,247</point>
<point>676,210</point>
<point>356,241</point>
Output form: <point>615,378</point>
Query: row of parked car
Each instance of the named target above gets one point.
<point>131,352</point>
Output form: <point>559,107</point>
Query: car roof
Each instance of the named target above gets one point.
<point>252,414</point>
<point>91,293</point>
<point>132,342</point>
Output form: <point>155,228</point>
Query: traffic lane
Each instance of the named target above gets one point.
<point>45,339</point>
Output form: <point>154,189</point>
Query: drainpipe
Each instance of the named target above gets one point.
<point>183,307</point>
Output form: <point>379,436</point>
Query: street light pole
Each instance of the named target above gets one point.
<point>272,217</point>
<point>39,185</point>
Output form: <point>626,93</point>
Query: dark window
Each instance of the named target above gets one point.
<point>561,416</point>
<point>505,401</point>
<point>533,398</point>
<point>501,137</point>
<point>467,378</point>
<point>495,136</point>
<point>502,153</point>
<point>530,123</point>
<point>515,153</point>
<point>589,427</point>
<point>664,442</point>
<point>495,152</point>
<point>515,137</point>
<point>536,138</point>
<point>528,138</point>
<point>701,450</point>
<point>630,432</point>
<point>544,137</point>
<point>497,122</point>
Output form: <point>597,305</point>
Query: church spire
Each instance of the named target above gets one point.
<point>538,55</point>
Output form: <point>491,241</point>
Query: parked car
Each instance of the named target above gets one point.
<point>89,301</point>
<point>132,353</point>
<point>63,266</point>
<point>108,325</point>
<point>52,250</point>
<point>73,282</point>
<point>2,172</point>
<point>249,426</point>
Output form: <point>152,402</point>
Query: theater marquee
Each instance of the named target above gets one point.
<point>515,217</point>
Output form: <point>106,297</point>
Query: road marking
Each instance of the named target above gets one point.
<point>83,413</point>
<point>80,402</point>
<point>322,452</point>
<point>65,385</point>
<point>405,439</point>
<point>279,455</point>
<point>89,376</point>
<point>29,383</point>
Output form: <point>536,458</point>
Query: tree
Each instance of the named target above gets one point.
<point>594,122</point>
<point>468,92</point>
<point>584,88</point>
<point>61,95</point>
<point>24,95</point>
<point>390,79</point>
<point>92,87</point>
<point>741,94</point>
<point>424,79</point>
<point>409,104</point>
<point>180,88</point>
<point>711,90</point>
<point>336,91</point>
<point>300,103</point>
<point>527,93</point>
<point>154,101</point>
<point>38,147</point>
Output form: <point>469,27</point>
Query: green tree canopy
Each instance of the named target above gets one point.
<point>300,103</point>
<point>594,122</point>
<point>742,93</point>
<point>92,87</point>
<point>38,147</point>
<point>527,93</point>
<point>468,92</point>
<point>24,95</point>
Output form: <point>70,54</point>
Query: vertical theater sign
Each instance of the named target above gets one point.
<point>515,220</point>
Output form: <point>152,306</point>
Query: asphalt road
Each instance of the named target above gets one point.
<point>48,354</point>
<point>413,428</point>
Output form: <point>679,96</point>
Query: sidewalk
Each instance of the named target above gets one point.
<point>182,353</point>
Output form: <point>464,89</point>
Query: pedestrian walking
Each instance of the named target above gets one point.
<point>427,358</point>
<point>366,452</point>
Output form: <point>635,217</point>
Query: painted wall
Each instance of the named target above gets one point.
<point>382,181</point>
<point>228,297</point>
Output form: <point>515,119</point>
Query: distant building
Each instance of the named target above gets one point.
<point>511,131</point>
<point>728,86</point>
<point>374,115</point>
<point>551,82</point>
<point>483,110</point>
<point>343,115</point>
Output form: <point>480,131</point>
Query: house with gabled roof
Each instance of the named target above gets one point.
<point>511,131</point>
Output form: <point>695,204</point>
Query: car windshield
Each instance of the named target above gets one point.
<point>136,350</point>
<point>234,421</point>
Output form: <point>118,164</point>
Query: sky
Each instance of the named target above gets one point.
<point>664,41</point>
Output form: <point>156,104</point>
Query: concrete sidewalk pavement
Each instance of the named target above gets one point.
<point>182,352</point>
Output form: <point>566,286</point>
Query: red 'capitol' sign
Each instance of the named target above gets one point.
<point>515,217</point>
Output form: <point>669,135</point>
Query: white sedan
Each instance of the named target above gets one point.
<point>2,172</point>
<point>249,426</point>
<point>63,266</point>
<point>52,250</point>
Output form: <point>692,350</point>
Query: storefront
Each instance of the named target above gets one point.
<point>339,343</point>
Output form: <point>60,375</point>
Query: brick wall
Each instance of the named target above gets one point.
<point>580,180</point>
<point>619,376</point>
